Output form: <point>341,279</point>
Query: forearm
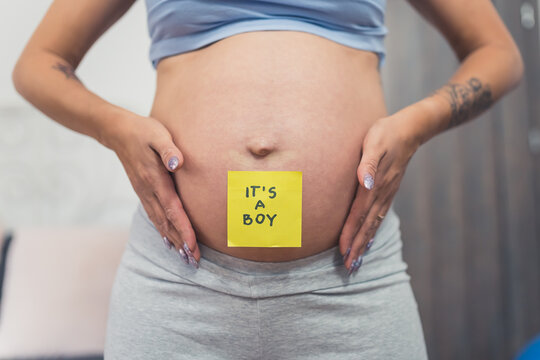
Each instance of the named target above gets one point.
<point>49,83</point>
<point>482,78</point>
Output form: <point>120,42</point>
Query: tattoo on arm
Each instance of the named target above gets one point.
<point>467,100</point>
<point>66,69</point>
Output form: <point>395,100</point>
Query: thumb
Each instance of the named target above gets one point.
<point>368,168</point>
<point>174,161</point>
<point>170,155</point>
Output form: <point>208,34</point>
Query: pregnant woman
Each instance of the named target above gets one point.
<point>265,86</point>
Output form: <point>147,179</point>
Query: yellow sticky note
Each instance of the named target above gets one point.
<point>264,209</point>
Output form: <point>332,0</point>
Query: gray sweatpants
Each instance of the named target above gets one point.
<point>230,308</point>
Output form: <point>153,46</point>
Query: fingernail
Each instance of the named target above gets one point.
<point>193,262</point>
<point>346,254</point>
<point>191,257</point>
<point>167,242</point>
<point>356,264</point>
<point>370,242</point>
<point>184,256</point>
<point>173,163</point>
<point>368,181</point>
<point>187,250</point>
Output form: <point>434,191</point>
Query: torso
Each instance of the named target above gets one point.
<point>271,100</point>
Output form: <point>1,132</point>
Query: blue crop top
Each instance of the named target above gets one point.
<point>178,26</point>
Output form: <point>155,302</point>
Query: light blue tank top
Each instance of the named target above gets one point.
<point>178,26</point>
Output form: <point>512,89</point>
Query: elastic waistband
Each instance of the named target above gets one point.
<point>328,257</point>
<point>225,273</point>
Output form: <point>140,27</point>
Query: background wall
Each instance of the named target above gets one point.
<point>50,175</point>
<point>469,202</point>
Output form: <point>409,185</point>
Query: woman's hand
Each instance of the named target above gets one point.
<point>148,153</point>
<point>386,150</point>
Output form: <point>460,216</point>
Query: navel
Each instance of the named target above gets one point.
<point>261,147</point>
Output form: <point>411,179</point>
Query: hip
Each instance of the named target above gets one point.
<point>235,276</point>
<point>233,308</point>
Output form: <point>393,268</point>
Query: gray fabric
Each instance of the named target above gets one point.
<point>230,308</point>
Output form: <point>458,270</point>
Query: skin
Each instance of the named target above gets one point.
<point>143,145</point>
<point>239,119</point>
<point>491,65</point>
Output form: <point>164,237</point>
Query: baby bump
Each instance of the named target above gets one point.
<point>327,155</point>
<point>291,102</point>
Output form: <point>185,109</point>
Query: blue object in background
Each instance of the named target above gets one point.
<point>531,351</point>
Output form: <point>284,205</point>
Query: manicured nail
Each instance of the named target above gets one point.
<point>187,250</point>
<point>368,181</point>
<point>193,262</point>
<point>173,163</point>
<point>370,242</point>
<point>356,264</point>
<point>167,242</point>
<point>184,256</point>
<point>191,258</point>
<point>346,254</point>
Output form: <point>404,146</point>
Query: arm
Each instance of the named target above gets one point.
<point>45,76</point>
<point>45,72</point>
<point>490,65</point>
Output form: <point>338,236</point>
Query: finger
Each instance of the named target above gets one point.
<point>175,213</point>
<point>170,155</point>
<point>161,223</point>
<point>169,234</point>
<point>368,231</point>
<point>367,168</point>
<point>151,205</point>
<point>171,209</point>
<point>356,217</point>
<point>179,246</point>
<point>359,237</point>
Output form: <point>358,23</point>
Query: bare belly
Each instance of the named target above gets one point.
<point>272,100</point>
